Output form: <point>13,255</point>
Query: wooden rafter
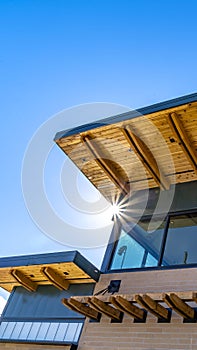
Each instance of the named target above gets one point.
<point>124,305</point>
<point>102,307</point>
<point>152,306</point>
<point>179,306</point>
<point>57,280</point>
<point>83,309</point>
<point>146,157</point>
<point>183,139</point>
<point>105,164</point>
<point>24,280</point>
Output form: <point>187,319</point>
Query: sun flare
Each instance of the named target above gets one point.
<point>115,209</point>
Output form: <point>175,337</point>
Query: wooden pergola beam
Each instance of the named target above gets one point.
<point>146,157</point>
<point>183,139</point>
<point>104,308</point>
<point>25,281</point>
<point>124,305</point>
<point>194,296</point>
<point>83,309</point>
<point>57,280</point>
<point>105,164</point>
<point>179,306</point>
<point>157,296</point>
<point>152,306</point>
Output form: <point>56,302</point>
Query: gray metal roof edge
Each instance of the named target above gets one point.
<point>52,258</point>
<point>37,259</point>
<point>129,115</point>
<point>87,266</point>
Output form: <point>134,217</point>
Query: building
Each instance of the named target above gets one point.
<point>145,295</point>
<point>34,316</point>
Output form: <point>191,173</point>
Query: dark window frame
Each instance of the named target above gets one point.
<point>116,232</point>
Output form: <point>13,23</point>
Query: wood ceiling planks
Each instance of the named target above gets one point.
<point>171,155</point>
<point>59,274</point>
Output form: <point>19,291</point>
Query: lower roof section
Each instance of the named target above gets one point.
<point>59,269</point>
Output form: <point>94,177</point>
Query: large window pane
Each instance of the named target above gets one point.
<point>181,244</point>
<point>140,247</point>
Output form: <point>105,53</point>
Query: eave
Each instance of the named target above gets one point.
<point>58,269</point>
<point>152,147</point>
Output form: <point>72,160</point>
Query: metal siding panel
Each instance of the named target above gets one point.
<point>78,332</point>
<point>37,331</point>
<point>45,303</point>
<point>8,331</point>
<point>61,331</point>
<point>43,331</point>
<point>17,330</point>
<point>52,330</point>
<point>3,326</point>
<point>25,330</point>
<point>71,331</point>
<point>34,331</point>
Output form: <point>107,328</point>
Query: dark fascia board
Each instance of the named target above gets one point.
<point>52,258</point>
<point>59,343</point>
<point>129,115</point>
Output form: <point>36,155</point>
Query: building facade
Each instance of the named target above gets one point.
<point>144,297</point>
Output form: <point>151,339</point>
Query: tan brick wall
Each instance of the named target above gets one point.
<point>150,335</point>
<point>12,346</point>
<point>152,281</point>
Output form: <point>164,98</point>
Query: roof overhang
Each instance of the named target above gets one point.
<point>58,269</point>
<point>155,146</point>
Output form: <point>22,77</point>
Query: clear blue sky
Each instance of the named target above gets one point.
<point>55,54</point>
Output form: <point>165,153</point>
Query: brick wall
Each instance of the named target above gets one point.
<point>150,335</point>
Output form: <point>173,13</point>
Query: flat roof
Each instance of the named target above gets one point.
<point>154,146</point>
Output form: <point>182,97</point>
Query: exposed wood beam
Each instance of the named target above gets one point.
<point>108,310</point>
<point>25,281</point>
<point>152,306</point>
<point>183,139</point>
<point>157,296</point>
<point>57,280</point>
<point>124,305</point>
<point>179,306</point>
<point>146,157</point>
<point>83,309</point>
<point>105,164</point>
<point>194,297</point>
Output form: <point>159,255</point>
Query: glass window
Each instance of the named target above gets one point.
<point>181,244</point>
<point>140,247</point>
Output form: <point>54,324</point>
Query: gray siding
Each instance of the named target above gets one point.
<point>43,304</point>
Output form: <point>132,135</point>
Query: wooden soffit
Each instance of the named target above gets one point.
<point>136,151</point>
<point>46,269</point>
